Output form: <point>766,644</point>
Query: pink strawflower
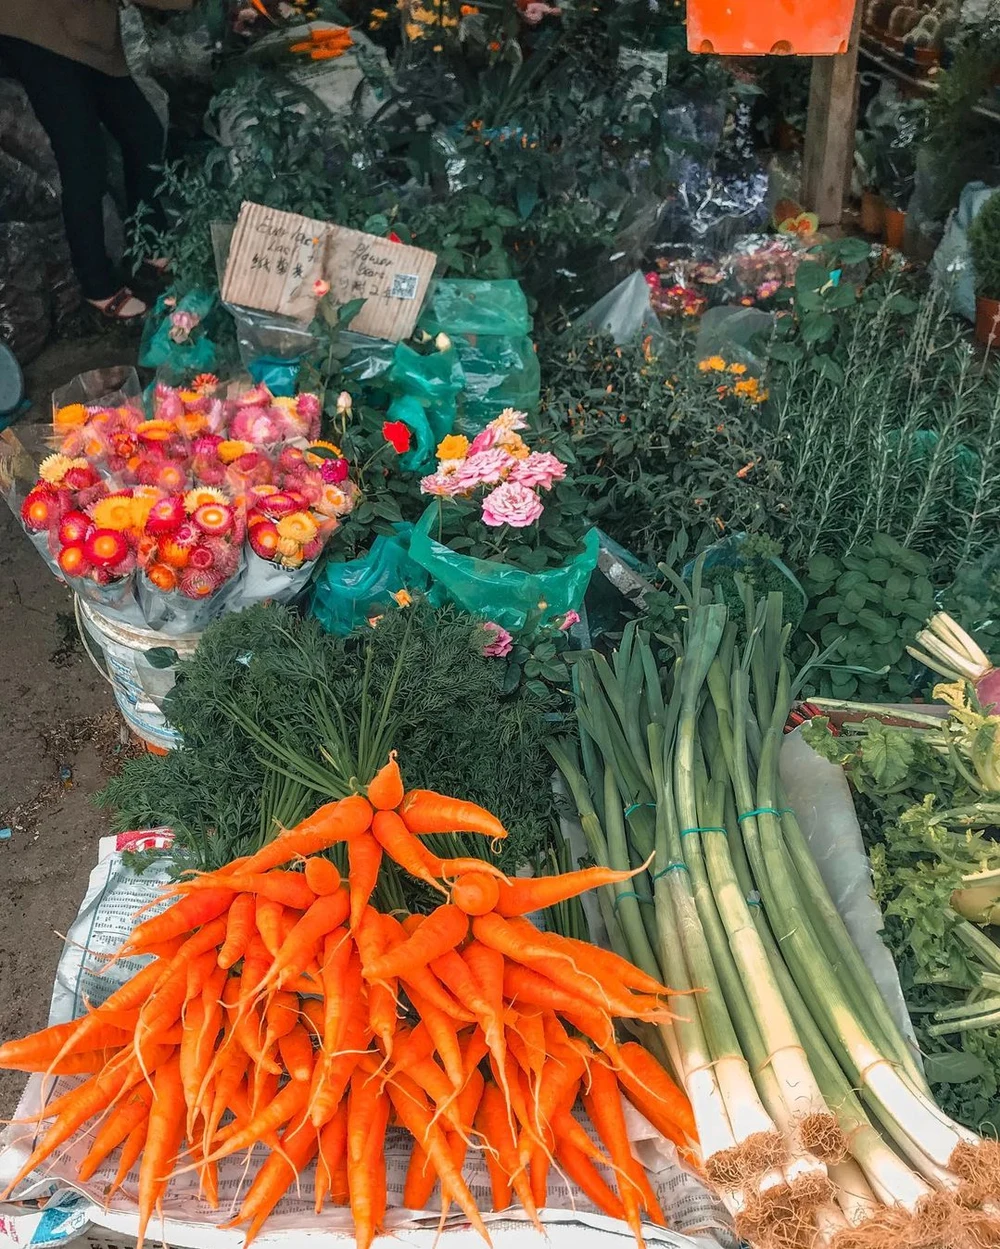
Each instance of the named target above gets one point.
<point>569,620</point>
<point>501,642</point>
<point>225,556</point>
<point>512,504</point>
<point>206,444</point>
<point>257,425</point>
<point>308,407</point>
<point>541,468</point>
<point>169,405</point>
<point>334,472</point>
<point>198,582</point>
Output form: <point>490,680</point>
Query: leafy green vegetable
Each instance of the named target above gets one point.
<point>456,724</point>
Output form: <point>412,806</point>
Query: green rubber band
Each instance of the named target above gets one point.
<point>761,811</point>
<point>753,899</point>
<point>709,828</point>
<point>635,807</point>
<point>628,893</point>
<point>671,867</point>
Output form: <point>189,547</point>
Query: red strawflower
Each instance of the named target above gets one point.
<point>166,515</point>
<point>198,583</point>
<point>105,547</point>
<point>201,557</point>
<point>74,527</point>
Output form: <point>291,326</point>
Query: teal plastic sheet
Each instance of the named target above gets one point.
<point>498,591</point>
<point>347,594</point>
<point>159,351</point>
<point>490,326</point>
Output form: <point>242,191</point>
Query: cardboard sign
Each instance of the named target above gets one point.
<point>274,259</point>
<point>391,278</point>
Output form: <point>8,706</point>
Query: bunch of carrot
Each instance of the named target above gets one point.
<point>285,999</point>
<point>325,44</point>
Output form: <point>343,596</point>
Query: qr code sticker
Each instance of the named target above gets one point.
<point>404,286</point>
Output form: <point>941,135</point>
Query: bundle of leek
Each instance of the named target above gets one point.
<point>814,1118</point>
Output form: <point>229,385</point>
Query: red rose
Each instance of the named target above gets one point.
<point>397,433</point>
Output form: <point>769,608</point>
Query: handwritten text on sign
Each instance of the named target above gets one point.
<point>276,257</point>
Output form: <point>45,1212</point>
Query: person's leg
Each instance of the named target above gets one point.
<point>67,110</point>
<point>132,121</point>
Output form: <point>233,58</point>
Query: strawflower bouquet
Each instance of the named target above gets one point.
<point>189,555</point>
<point>500,500</point>
<point>65,485</point>
<point>289,523</point>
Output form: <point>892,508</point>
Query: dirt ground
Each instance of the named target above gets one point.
<point>60,737</point>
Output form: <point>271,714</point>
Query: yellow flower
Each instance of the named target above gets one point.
<point>142,500</point>
<point>188,397</point>
<point>403,598</point>
<point>156,431</point>
<point>70,416</point>
<point>381,14</point>
<point>514,445</point>
<point>55,467</point>
<point>203,494</point>
<point>232,449</point>
<point>327,446</point>
<point>454,447</point>
<point>299,526</point>
<point>713,364</point>
<point>114,512</point>
<point>738,369</point>
<point>288,546</point>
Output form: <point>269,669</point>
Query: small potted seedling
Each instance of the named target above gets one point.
<point>984,247</point>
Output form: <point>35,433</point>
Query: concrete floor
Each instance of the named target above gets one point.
<point>56,713</point>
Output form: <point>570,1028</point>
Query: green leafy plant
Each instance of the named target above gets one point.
<point>267,693</point>
<point>868,604</point>
<point>984,247</point>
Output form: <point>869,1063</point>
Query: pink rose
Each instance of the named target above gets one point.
<point>501,641</point>
<point>181,325</point>
<point>512,504</point>
<point>485,468</point>
<point>442,485</point>
<point>569,620</point>
<point>541,468</point>
<point>483,441</point>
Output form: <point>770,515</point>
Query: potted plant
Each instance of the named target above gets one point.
<point>872,216</point>
<point>895,127</point>
<point>984,248</point>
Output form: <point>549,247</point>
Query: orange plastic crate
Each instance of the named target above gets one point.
<point>769,27</point>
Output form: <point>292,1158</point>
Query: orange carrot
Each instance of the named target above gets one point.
<point>296,1052</point>
<point>267,917</point>
<point>322,876</point>
<point>334,822</point>
<point>604,1108</point>
<point>417,1117</point>
<point>280,1016</point>
<point>364,856</point>
<point>440,1029</point>
<point>403,848</point>
<point>652,1092</point>
<point>521,897</point>
<point>370,939</point>
<point>299,947</point>
<point>440,932</point>
<point>339,958</point>
<point>332,1154</point>
<point>604,963</point>
<point>298,1148</point>
<point>494,1127</point>
<point>425,811</point>
<point>190,912</point>
<point>230,1076</point>
<point>131,1111</point>
<point>247,1030</point>
<point>283,1106</point>
<point>385,792</point>
<point>475,893</point>
<point>367,1117</point>
<point>422,979</point>
<point>163,1140</point>
<point>420,1180</point>
<point>239,929</point>
<point>289,888</point>
<point>493,930</point>
<point>39,1051</point>
<point>521,984</point>
<point>585,1175</point>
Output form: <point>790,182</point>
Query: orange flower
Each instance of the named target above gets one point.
<point>156,431</point>
<point>162,577</point>
<point>70,416</point>
<point>113,512</point>
<point>232,449</point>
<point>173,554</point>
<point>205,383</point>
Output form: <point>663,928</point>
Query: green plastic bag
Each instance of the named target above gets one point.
<point>489,326</point>
<point>497,591</point>
<point>346,595</point>
<point>426,388</point>
<point>159,351</point>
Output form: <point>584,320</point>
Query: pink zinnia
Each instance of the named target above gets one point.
<point>541,468</point>
<point>501,642</point>
<point>512,504</point>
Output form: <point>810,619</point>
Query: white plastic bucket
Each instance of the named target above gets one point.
<point>118,651</point>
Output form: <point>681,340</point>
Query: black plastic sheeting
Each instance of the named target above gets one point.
<point>38,289</point>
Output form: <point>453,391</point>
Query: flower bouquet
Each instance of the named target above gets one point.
<point>509,528</point>
<point>189,556</point>
<point>289,524</point>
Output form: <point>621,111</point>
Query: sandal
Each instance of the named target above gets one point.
<point>112,308</point>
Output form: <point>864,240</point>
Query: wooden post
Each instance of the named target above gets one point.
<point>829,146</point>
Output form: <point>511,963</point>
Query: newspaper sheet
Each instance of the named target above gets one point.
<point>115,893</point>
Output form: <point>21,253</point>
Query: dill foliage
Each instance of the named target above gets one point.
<point>455,726</point>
